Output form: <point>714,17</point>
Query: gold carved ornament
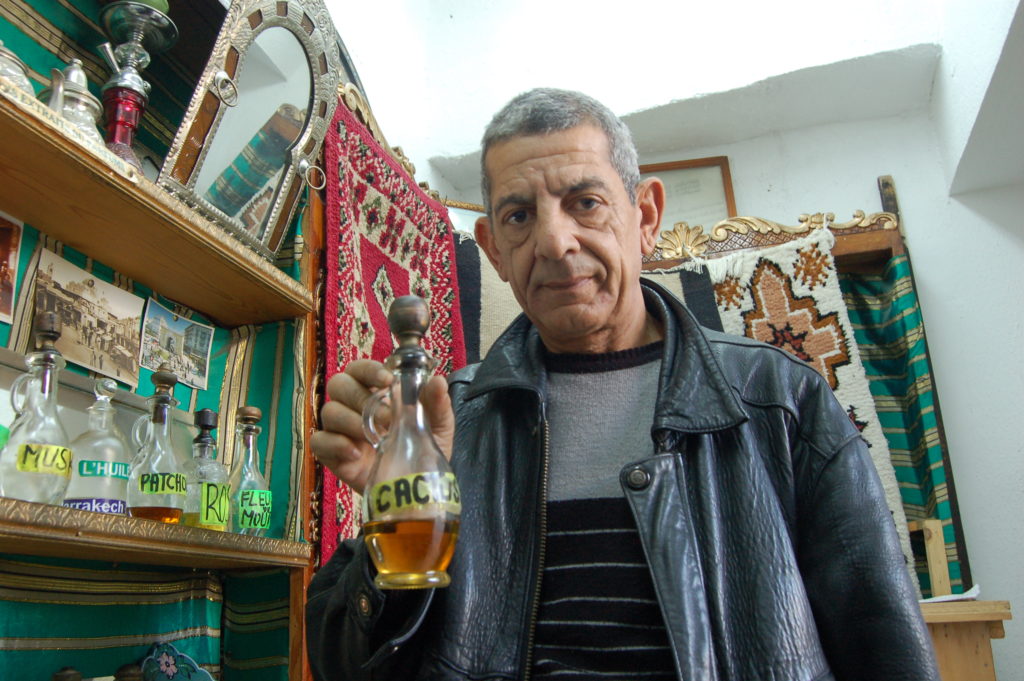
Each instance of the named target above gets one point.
<point>684,241</point>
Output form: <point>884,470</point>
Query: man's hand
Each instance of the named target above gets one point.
<point>342,447</point>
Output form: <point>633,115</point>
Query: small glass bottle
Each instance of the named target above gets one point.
<point>103,459</point>
<point>251,498</point>
<point>35,464</point>
<point>412,506</point>
<point>207,502</point>
<point>157,485</point>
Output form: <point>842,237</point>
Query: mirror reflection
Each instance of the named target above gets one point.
<point>244,165</point>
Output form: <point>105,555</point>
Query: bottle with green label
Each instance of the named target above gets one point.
<point>156,484</point>
<point>35,464</point>
<point>411,503</point>
<point>251,498</point>
<point>103,459</point>
<point>207,501</point>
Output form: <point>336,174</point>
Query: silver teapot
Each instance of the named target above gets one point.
<point>69,96</point>
<point>14,70</point>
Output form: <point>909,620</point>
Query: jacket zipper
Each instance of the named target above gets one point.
<point>542,549</point>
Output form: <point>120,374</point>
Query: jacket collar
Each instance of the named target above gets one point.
<point>694,395</point>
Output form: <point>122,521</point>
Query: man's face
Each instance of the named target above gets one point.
<point>568,240</point>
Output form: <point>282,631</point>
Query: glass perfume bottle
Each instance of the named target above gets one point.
<point>251,498</point>
<point>157,485</point>
<point>35,464</point>
<point>412,506</point>
<point>207,501</point>
<point>99,481</point>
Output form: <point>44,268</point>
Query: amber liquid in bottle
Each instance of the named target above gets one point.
<point>162,513</point>
<point>411,502</point>
<point>412,546</point>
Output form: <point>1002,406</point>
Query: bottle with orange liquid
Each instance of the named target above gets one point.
<point>411,507</point>
<point>157,485</point>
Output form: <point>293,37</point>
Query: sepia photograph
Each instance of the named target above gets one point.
<point>182,343</point>
<point>10,242</point>
<point>100,322</point>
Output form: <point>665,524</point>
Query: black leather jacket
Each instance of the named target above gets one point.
<point>773,554</point>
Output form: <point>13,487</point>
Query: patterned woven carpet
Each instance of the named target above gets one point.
<point>385,238</point>
<point>789,296</point>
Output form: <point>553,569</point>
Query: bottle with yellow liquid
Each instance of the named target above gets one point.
<point>208,498</point>
<point>411,505</point>
<point>157,485</point>
<point>35,464</point>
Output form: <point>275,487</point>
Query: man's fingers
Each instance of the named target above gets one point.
<point>338,417</point>
<point>438,407</point>
<point>349,461</point>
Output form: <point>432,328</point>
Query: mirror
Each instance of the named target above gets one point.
<point>245,161</point>
<point>250,137</point>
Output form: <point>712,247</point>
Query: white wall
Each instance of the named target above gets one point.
<point>435,72</point>
<point>973,35</point>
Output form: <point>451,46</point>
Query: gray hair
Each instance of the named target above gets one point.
<point>545,110</point>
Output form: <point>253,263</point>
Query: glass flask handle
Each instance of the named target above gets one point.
<point>19,392</point>
<point>370,410</point>
<point>138,434</point>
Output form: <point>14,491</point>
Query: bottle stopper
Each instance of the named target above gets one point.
<point>409,318</point>
<point>47,330</point>
<point>104,389</point>
<point>249,415</point>
<point>205,420</point>
<point>164,379</point>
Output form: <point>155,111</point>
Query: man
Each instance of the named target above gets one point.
<point>642,498</point>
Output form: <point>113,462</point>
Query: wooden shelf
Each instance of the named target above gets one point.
<point>99,205</point>
<point>966,611</point>
<point>46,530</point>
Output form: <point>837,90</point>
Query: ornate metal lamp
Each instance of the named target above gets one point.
<point>139,30</point>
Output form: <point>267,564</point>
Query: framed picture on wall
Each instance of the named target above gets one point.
<point>10,245</point>
<point>100,322</point>
<point>697,191</point>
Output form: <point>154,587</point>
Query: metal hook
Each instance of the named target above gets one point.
<point>307,169</point>
<point>225,88</point>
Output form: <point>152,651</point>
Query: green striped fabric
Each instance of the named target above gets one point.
<point>256,626</point>
<point>96,616</point>
<point>889,330</point>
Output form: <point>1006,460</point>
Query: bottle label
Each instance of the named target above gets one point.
<point>104,469</point>
<point>415,492</point>
<point>162,483</point>
<point>117,506</point>
<point>52,459</point>
<point>214,502</point>
<point>254,509</point>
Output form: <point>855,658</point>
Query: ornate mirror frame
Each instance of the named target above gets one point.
<point>310,22</point>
